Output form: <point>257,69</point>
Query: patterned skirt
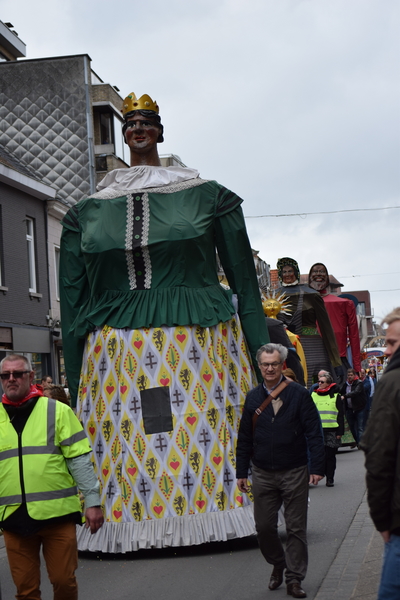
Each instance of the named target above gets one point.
<point>161,407</point>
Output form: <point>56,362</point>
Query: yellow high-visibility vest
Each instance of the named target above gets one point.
<point>33,466</point>
<point>327,409</point>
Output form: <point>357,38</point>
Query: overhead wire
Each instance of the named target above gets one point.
<point>368,275</point>
<point>324,212</point>
<point>393,290</point>
<point>333,212</point>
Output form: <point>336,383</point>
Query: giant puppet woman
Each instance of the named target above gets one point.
<point>157,359</point>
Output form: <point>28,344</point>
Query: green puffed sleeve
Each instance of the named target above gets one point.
<point>74,291</point>
<point>237,260</point>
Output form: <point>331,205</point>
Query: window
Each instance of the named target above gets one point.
<point>62,377</point>
<point>121,149</point>
<point>108,132</point>
<point>57,270</point>
<point>6,340</point>
<point>106,128</point>
<point>360,310</point>
<point>30,240</point>
<point>101,162</point>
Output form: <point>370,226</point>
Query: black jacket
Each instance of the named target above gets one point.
<point>357,395</point>
<point>280,441</point>
<point>381,444</point>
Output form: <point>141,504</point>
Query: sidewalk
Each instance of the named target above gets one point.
<point>355,572</point>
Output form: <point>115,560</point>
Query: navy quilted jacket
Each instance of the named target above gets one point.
<point>280,441</point>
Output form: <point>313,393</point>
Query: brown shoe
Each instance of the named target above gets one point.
<point>276,578</point>
<point>295,590</point>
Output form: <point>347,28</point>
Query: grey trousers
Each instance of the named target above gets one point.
<point>271,489</point>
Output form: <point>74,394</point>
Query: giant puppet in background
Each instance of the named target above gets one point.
<point>278,334</point>
<point>310,321</point>
<point>342,314</point>
<point>157,358</point>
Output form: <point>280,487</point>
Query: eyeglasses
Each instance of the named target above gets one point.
<point>140,124</point>
<point>273,365</point>
<point>321,381</point>
<point>15,374</point>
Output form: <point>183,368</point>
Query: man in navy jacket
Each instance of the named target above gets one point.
<point>277,445</point>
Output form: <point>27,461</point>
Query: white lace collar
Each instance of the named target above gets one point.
<point>145,176</point>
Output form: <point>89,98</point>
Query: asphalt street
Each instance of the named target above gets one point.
<point>233,570</point>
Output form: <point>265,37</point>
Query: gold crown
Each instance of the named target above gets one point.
<point>143,103</point>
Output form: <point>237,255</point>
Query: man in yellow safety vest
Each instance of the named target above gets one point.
<point>44,456</point>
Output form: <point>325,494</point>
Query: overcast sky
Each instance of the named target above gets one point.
<point>292,104</point>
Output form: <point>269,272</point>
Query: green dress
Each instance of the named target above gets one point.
<point>147,327</point>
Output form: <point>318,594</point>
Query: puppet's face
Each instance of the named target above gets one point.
<point>319,279</point>
<point>141,134</point>
<point>288,275</point>
<point>271,308</point>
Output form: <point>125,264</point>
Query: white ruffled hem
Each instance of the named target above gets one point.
<point>189,530</point>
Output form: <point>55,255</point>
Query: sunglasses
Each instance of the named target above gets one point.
<point>15,374</point>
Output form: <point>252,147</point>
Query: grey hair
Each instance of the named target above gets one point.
<point>270,349</point>
<point>324,373</point>
<point>328,376</point>
<point>14,357</point>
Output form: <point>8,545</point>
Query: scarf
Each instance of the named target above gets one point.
<point>319,391</point>
<point>34,391</point>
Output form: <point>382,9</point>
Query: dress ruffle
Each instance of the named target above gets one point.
<point>157,307</point>
<point>187,530</point>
